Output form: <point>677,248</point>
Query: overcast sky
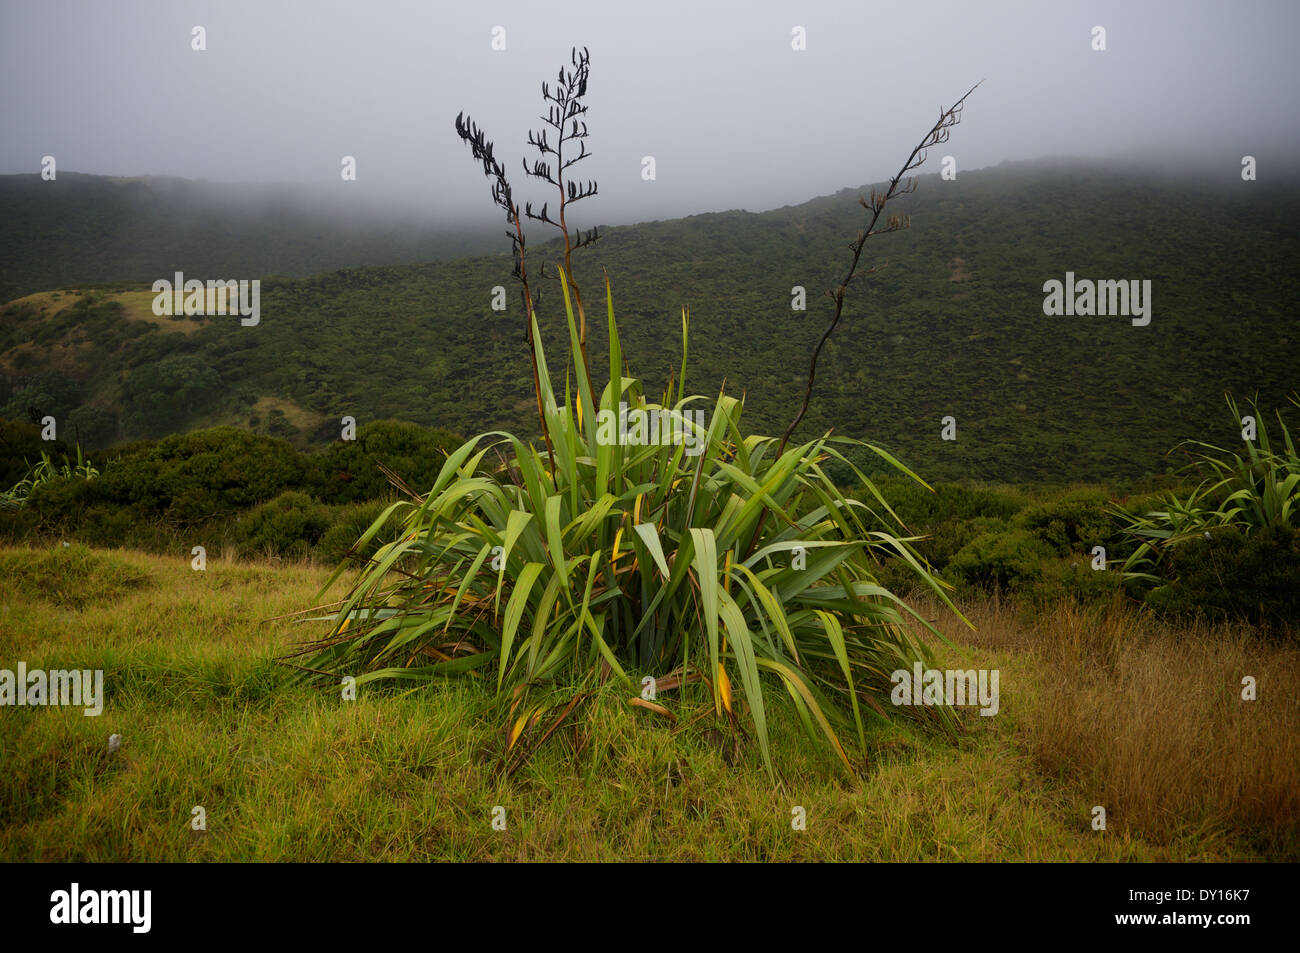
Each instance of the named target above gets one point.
<point>733,116</point>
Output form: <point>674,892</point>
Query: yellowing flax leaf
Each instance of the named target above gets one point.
<point>639,702</point>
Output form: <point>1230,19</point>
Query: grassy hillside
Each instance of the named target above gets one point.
<point>951,324</point>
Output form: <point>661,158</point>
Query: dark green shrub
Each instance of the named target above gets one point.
<point>21,446</point>
<point>216,488</point>
<point>347,524</point>
<point>1006,561</point>
<point>207,488</point>
<point>947,538</point>
<point>1072,522</point>
<point>289,525</point>
<point>349,471</point>
<point>60,502</point>
<point>181,481</point>
<point>1233,574</point>
<point>92,427</point>
<point>1073,579</point>
<point>948,518</point>
<point>108,526</point>
<point>1227,548</point>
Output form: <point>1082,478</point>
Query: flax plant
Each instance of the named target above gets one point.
<point>1251,489</point>
<point>727,558</point>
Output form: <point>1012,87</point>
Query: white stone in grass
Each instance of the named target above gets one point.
<point>114,743</point>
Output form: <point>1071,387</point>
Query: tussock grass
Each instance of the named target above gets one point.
<point>1155,719</point>
<point>69,576</point>
<point>286,771</point>
<point>1147,719</point>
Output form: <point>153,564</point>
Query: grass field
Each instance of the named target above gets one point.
<point>1106,709</point>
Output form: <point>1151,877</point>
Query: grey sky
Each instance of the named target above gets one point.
<point>733,116</point>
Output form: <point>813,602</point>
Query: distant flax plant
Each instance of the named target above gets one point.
<point>674,574</point>
<point>1254,489</point>
<point>45,470</point>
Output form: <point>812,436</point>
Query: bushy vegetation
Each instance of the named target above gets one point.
<point>292,523</point>
<point>1231,546</point>
<point>44,472</point>
<point>1234,574</point>
<point>1006,560</point>
<point>1037,399</point>
<point>97,228</point>
<point>224,488</point>
<point>349,470</point>
<point>1032,544</point>
<point>1217,538</point>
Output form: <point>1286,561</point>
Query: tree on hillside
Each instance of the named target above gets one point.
<point>160,397</point>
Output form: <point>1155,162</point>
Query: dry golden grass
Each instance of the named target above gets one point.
<point>1147,719</point>
<point>297,415</point>
<point>138,306</point>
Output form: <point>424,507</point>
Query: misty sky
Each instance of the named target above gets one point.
<point>732,115</point>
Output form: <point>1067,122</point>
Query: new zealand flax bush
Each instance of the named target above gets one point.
<point>628,560</point>
<point>697,558</point>
<point>1251,491</point>
<point>1231,546</point>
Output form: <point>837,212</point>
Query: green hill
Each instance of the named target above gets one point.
<point>951,324</point>
<point>95,228</point>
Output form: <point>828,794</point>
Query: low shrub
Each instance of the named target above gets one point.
<point>1073,579</point>
<point>349,470</point>
<point>1228,548</point>
<point>181,481</point>
<point>1004,560</point>
<point>290,525</point>
<point>1230,573</point>
<point>348,523</point>
<point>1071,522</point>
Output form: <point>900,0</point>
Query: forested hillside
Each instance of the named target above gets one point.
<point>95,228</point>
<point>952,324</point>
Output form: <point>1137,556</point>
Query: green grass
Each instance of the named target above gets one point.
<point>290,772</point>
